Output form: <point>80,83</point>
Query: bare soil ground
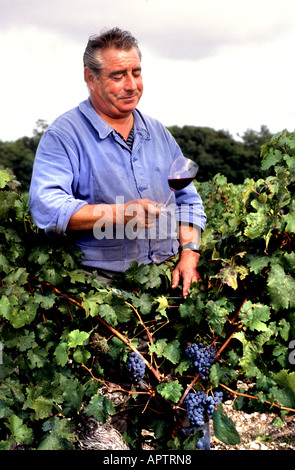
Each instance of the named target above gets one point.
<point>258,431</point>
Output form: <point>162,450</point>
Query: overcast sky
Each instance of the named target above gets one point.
<point>225,64</point>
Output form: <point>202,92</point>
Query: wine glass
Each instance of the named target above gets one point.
<point>181,173</point>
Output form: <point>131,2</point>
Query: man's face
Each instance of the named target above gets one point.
<point>118,89</point>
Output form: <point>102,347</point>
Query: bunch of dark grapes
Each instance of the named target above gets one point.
<point>136,367</point>
<point>195,408</point>
<point>212,401</point>
<point>200,407</point>
<point>202,358</point>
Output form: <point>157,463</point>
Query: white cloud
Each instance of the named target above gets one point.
<point>41,79</point>
<point>171,28</point>
<point>223,64</point>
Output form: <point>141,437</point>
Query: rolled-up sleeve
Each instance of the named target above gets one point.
<point>189,205</point>
<point>52,201</point>
<point>190,208</point>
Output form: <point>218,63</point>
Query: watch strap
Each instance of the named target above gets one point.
<point>190,246</point>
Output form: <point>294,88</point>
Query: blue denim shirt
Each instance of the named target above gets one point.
<point>82,160</point>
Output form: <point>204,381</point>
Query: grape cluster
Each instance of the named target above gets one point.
<point>202,358</point>
<point>200,407</point>
<point>136,367</point>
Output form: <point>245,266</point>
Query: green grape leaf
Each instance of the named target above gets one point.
<point>159,347</point>
<point>138,274</point>
<point>222,374</point>
<point>77,276</point>
<point>163,303</point>
<point>107,312</point>
<point>52,276</point>
<point>37,357</point>
<point>286,393</point>
<point>217,313</point>
<point>77,338</point>
<point>281,288</point>
<point>4,445</point>
<point>171,391</point>
<point>72,394</point>
<point>4,178</point>
<point>191,309</point>
<point>254,316</point>
<point>59,435</point>
<point>257,263</point>
<point>41,405</point>
<point>91,304</point>
<point>172,351</point>
<point>271,159</point>
<point>61,354</point>
<point>100,408</point>
<point>290,221</point>
<point>81,355</point>
<point>224,428</point>
<point>20,432</point>
<point>143,302</point>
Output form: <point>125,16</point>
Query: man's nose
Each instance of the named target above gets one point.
<point>130,82</point>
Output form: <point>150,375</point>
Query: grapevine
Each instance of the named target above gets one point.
<point>65,337</point>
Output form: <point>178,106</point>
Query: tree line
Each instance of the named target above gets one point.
<point>215,151</point>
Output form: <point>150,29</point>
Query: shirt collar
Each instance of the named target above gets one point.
<point>103,128</point>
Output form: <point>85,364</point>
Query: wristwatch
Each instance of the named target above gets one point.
<point>190,246</point>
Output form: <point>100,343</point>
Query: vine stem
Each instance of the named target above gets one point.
<point>146,329</point>
<point>239,326</point>
<point>142,323</point>
<point>255,398</point>
<point>130,345</point>
<point>227,341</point>
<point>156,373</point>
<point>112,389</point>
<point>188,389</point>
<point>217,354</point>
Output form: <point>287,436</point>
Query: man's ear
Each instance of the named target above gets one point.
<point>89,77</point>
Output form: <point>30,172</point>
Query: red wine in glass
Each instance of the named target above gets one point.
<point>181,173</point>
<point>176,184</point>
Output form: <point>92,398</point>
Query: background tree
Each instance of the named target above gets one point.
<point>19,156</point>
<point>218,152</point>
<point>214,151</point>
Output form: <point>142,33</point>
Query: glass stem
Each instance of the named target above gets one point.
<point>167,201</point>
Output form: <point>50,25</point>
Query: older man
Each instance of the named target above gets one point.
<point>100,172</point>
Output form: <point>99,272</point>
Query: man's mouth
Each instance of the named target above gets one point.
<point>129,97</point>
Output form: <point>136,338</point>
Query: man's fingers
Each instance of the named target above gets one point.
<point>175,278</point>
<point>187,280</point>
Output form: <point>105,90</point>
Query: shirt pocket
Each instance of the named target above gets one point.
<point>106,257</point>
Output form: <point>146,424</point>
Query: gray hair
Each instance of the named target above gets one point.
<point>112,38</point>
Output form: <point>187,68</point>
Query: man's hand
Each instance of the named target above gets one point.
<point>142,212</point>
<point>186,270</point>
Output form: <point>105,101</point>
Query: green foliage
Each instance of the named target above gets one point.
<point>218,152</point>
<point>19,156</point>
<point>215,152</point>
<point>224,427</point>
<point>66,336</point>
